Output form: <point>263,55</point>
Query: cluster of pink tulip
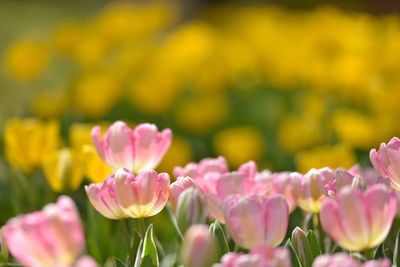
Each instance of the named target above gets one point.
<point>249,209</point>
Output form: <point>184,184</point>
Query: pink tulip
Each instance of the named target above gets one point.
<point>176,188</point>
<point>260,256</point>
<point>205,173</point>
<point>50,237</point>
<point>215,182</point>
<point>345,260</point>
<point>310,189</point>
<point>103,198</point>
<point>359,220</point>
<point>253,220</point>
<point>279,183</point>
<point>85,261</point>
<point>387,161</point>
<point>200,248</point>
<point>143,195</point>
<point>136,149</point>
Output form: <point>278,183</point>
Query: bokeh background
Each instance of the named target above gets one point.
<point>290,84</point>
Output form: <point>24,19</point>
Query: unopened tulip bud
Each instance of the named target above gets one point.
<point>199,248</point>
<point>190,209</point>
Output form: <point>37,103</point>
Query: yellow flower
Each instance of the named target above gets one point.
<point>50,103</point>
<point>27,141</point>
<point>95,169</point>
<point>332,156</point>
<point>81,142</point>
<point>26,59</point>
<point>239,144</point>
<point>96,94</point>
<point>63,170</point>
<point>296,133</point>
<point>354,128</point>
<point>178,154</point>
<point>201,114</point>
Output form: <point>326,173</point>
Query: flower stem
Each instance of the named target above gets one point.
<point>141,227</point>
<point>129,241</point>
<point>321,234</point>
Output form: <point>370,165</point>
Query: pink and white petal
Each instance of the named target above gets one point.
<point>276,218</point>
<point>381,207</point>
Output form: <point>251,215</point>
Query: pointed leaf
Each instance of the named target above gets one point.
<point>119,263</point>
<point>149,256</point>
<point>138,254</point>
<point>293,257</point>
<point>314,244</point>
<point>301,247</point>
<point>218,233</point>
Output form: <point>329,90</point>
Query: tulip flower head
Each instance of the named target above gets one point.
<point>310,189</point>
<point>253,220</point>
<point>200,248</point>
<point>124,195</point>
<point>176,188</point>
<point>138,149</point>
<point>143,195</point>
<point>386,160</point>
<point>359,220</point>
<point>28,141</point>
<point>103,198</point>
<point>259,256</point>
<point>50,237</point>
<point>345,260</point>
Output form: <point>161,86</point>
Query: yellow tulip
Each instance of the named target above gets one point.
<point>63,170</point>
<point>27,141</point>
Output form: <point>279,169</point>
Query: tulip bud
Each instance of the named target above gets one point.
<point>190,209</point>
<point>200,248</point>
<point>302,247</point>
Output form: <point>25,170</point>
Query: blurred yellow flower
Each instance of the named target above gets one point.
<point>178,154</point>
<point>239,144</point>
<point>333,156</point>
<point>354,128</point>
<point>81,141</point>
<point>297,133</point>
<point>50,103</point>
<point>67,37</point>
<point>28,141</point>
<point>63,170</point>
<point>200,114</point>
<point>26,59</point>
<point>95,168</point>
<point>95,94</point>
<point>80,134</point>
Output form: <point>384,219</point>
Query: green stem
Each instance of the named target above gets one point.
<point>129,241</point>
<point>368,254</point>
<point>321,234</point>
<point>141,227</point>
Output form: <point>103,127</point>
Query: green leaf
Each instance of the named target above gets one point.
<point>218,233</point>
<point>396,254</point>
<point>138,254</point>
<point>293,257</point>
<point>149,256</point>
<point>302,247</point>
<point>314,244</point>
<point>119,263</point>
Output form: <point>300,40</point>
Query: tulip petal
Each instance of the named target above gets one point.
<point>276,217</point>
<point>381,207</point>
